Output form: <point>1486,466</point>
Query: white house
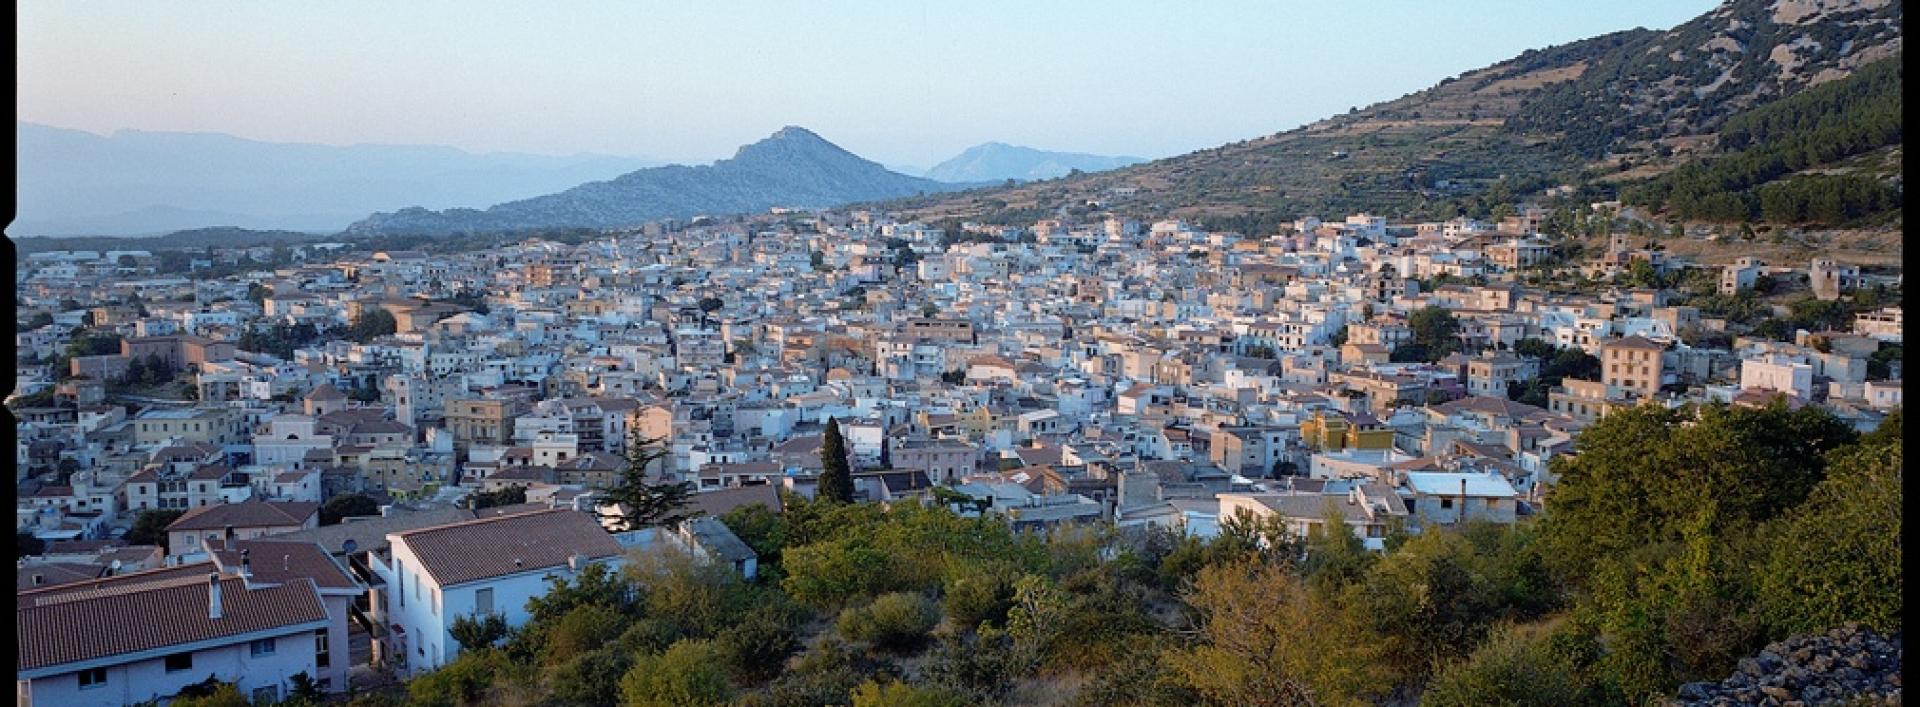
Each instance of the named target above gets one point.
<point>146,635</point>
<point>1777,372</point>
<point>1446,498</point>
<point>473,568</point>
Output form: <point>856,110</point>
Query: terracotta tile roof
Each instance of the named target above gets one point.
<point>283,561</point>
<point>492,547</point>
<point>251,514</point>
<point>96,620</point>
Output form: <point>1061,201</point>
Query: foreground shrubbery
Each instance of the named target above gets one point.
<point>1639,577</point>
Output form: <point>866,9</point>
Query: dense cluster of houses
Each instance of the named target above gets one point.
<point>1109,372</point>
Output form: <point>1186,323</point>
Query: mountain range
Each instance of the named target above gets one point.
<point>998,161</point>
<point>138,182</point>
<point>793,167</point>
<point>1597,112</point>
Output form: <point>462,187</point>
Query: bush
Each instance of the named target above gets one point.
<point>581,631</point>
<point>900,694</point>
<point>590,679</point>
<point>896,621</point>
<point>758,646</point>
<point>979,596</point>
<point>691,672</point>
<point>1513,668</point>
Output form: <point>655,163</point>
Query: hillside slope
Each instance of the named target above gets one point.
<point>793,167</point>
<point>1570,113</point>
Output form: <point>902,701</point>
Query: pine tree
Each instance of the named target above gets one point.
<point>634,503</point>
<point>836,478</point>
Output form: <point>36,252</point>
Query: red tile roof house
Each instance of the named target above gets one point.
<point>145,635</point>
<point>189,536</point>
<point>431,576</point>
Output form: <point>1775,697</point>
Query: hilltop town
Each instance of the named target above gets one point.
<point>196,417</point>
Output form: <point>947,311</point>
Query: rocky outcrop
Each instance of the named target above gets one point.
<point>1849,665</point>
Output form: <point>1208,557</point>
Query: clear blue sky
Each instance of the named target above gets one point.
<point>898,81</point>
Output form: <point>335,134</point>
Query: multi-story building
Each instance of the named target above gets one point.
<point>1631,367</point>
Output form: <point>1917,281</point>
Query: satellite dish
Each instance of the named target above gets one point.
<point>350,546</point>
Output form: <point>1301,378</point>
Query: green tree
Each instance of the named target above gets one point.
<point>371,324</point>
<point>689,674</point>
<point>633,502</point>
<point>477,633</point>
<point>836,474</point>
<point>26,544</point>
<point>504,496</point>
<point>1263,639</point>
<point>1638,475</point>
<point>345,506</point>
<point>1837,557</point>
<point>150,527</point>
<point>1435,331</point>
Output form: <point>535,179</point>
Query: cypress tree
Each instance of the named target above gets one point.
<point>836,478</point>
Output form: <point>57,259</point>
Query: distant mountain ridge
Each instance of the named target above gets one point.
<point>72,182</point>
<point>995,161</point>
<point>793,167</point>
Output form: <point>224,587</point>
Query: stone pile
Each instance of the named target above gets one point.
<point>1850,665</point>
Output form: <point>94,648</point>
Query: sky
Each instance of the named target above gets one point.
<point>901,82</point>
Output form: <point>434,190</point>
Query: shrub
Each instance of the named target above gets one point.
<point>896,621</point>
<point>900,694</point>
<point>691,672</point>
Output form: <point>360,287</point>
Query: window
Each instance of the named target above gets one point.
<point>1446,503</point>
<point>322,653</point>
<point>483,601</point>
<point>179,661</point>
<point>92,678</point>
<point>264,646</point>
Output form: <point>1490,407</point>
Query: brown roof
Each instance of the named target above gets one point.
<point>719,503</point>
<point>48,574</point>
<point>250,514</point>
<point>1635,342</point>
<point>326,391</point>
<point>282,561</point>
<point>100,619</point>
<point>458,553</point>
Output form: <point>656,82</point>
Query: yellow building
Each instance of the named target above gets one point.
<point>1325,431</point>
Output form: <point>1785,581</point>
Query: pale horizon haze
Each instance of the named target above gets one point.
<point>908,83</point>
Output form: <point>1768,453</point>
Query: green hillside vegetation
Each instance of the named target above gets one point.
<point>1819,126</point>
<point>1676,543</point>
<point>1581,114</point>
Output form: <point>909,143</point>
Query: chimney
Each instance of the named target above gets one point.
<point>246,563</point>
<point>213,595</point>
<point>386,510</point>
<point>1463,499</point>
<point>229,535</point>
<point>575,561</point>
<point>39,579</point>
